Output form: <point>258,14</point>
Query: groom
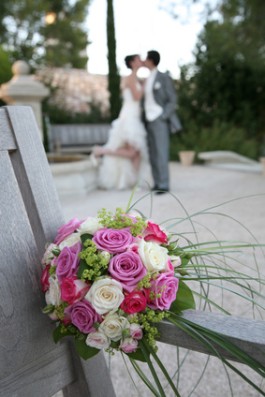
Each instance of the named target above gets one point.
<point>160,119</point>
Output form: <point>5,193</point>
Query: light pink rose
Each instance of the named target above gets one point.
<point>127,268</point>
<point>67,229</point>
<point>98,340</point>
<point>129,345</point>
<point>113,240</point>
<point>134,247</point>
<point>67,262</point>
<point>154,233</point>
<point>163,291</point>
<point>73,290</point>
<point>136,331</point>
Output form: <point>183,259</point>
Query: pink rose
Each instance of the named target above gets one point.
<point>45,284</point>
<point>134,302</point>
<point>129,345</point>
<point>163,291</point>
<point>67,229</point>
<point>128,269</point>
<point>154,233</point>
<point>73,290</point>
<point>136,331</point>
<point>113,240</point>
<point>83,316</point>
<point>67,262</point>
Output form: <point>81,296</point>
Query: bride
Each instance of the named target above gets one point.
<point>125,156</point>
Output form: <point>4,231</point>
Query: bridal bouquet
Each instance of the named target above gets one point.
<point>109,280</point>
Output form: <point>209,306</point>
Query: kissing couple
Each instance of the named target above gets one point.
<point>142,130</point>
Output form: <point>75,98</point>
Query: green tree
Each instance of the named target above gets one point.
<point>66,38</point>
<point>5,69</point>
<point>113,77</point>
<point>226,85</point>
<point>26,35</point>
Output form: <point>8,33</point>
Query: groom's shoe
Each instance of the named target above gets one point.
<point>161,191</point>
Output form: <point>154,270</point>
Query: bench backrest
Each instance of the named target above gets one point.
<point>30,214</point>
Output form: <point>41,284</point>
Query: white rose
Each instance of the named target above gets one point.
<point>114,325</point>
<point>153,256</point>
<point>90,226</point>
<point>105,295</point>
<point>69,241</point>
<point>48,254</point>
<point>53,295</point>
<point>98,340</point>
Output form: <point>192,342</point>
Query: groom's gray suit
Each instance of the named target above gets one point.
<point>159,129</point>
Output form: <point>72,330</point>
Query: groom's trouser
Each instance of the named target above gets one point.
<point>158,143</point>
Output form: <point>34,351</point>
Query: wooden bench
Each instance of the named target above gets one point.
<point>31,364</point>
<point>77,138</point>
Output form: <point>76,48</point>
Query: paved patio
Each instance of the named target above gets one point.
<point>193,189</point>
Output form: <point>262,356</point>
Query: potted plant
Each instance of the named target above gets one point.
<point>187,157</point>
<point>186,148</point>
<point>262,155</point>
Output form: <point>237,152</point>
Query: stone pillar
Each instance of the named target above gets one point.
<point>23,89</point>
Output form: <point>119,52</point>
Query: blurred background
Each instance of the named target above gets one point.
<point>214,50</point>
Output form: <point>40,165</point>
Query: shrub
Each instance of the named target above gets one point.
<point>221,136</point>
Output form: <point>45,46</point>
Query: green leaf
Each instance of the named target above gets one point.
<point>137,355</point>
<point>185,258</point>
<point>56,251</point>
<point>62,331</point>
<point>48,309</point>
<point>85,351</point>
<point>58,334</point>
<point>82,266</point>
<point>85,236</point>
<point>184,300</point>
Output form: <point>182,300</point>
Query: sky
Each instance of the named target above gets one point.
<point>141,26</point>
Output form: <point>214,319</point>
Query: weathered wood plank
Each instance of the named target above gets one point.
<point>43,377</point>
<point>7,141</point>
<point>24,331</point>
<point>247,334</point>
<point>31,364</point>
<point>34,175</point>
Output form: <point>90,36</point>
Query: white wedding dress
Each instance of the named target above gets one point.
<point>118,172</point>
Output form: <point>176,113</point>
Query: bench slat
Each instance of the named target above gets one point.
<point>247,334</point>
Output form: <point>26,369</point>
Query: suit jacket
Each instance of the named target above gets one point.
<point>165,95</point>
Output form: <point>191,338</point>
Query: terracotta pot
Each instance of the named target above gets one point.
<point>186,157</point>
<point>262,161</point>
